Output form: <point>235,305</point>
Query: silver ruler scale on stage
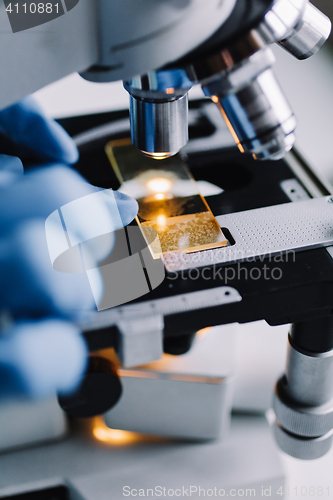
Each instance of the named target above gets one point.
<point>163,307</point>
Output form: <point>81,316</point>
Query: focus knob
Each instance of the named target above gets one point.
<point>99,391</point>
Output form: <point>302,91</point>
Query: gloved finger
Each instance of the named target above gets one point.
<point>41,358</point>
<point>29,286</point>
<point>35,134</point>
<point>43,191</point>
<point>11,169</point>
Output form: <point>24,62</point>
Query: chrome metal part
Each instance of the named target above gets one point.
<point>303,403</point>
<point>302,448</point>
<point>281,19</point>
<point>140,341</point>
<point>310,376</point>
<point>239,80</point>
<point>237,53</point>
<point>159,128</point>
<point>159,112</point>
<point>304,420</point>
<point>309,35</point>
<point>297,25</point>
<point>218,296</point>
<point>257,115</point>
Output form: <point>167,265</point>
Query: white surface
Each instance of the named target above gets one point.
<point>308,85</point>
<point>312,473</point>
<point>27,423</point>
<point>99,471</point>
<point>261,360</point>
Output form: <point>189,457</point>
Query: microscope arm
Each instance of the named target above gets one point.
<point>115,39</point>
<point>220,44</point>
<point>36,57</point>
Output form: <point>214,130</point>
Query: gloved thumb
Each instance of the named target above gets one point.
<point>39,359</point>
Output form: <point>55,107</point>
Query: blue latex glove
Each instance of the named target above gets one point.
<point>36,135</point>
<point>41,351</point>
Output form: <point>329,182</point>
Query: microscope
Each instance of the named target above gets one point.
<point>160,50</point>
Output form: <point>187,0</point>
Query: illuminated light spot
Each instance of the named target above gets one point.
<point>113,436</point>
<point>159,156</point>
<point>161,221</point>
<point>118,438</point>
<point>159,185</point>
<point>226,119</point>
<point>170,90</point>
<point>203,332</point>
<point>159,196</point>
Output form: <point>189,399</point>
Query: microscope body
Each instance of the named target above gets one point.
<point>160,49</point>
<point>115,39</point>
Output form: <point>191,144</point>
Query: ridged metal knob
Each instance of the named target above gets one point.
<point>303,403</point>
<point>303,420</point>
<point>300,447</point>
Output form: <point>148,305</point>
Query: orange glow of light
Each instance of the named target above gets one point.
<point>136,373</point>
<point>196,378</point>
<point>203,332</point>
<point>215,99</point>
<point>170,90</point>
<point>159,196</point>
<point>159,185</point>
<point>114,437</point>
<point>159,156</point>
<point>161,221</point>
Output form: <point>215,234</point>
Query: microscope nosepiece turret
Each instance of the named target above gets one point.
<point>238,77</point>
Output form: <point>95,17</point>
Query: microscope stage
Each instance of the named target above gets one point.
<point>291,284</point>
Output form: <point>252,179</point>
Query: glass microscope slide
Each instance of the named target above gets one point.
<point>169,201</point>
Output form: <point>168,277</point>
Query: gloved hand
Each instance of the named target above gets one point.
<point>41,351</point>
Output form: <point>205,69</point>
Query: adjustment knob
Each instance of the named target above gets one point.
<point>99,391</point>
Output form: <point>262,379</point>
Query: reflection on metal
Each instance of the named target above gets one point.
<point>113,437</point>
<point>159,156</point>
<point>117,437</point>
